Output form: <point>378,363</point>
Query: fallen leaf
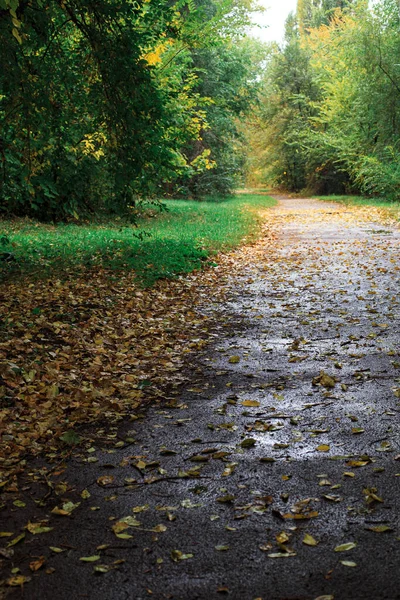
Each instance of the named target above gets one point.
<point>16,540</point>
<point>102,568</point>
<point>357,463</point>
<point>66,509</point>
<point>379,528</point>
<point>308,540</point>
<point>139,509</point>
<point>159,528</point>
<point>308,515</point>
<point>248,443</point>
<point>36,528</point>
<point>177,556</point>
<point>282,537</point>
<point>35,565</point>
<point>234,359</point>
<point>250,403</point>
<point>199,458</point>
<point>71,438</point>
<point>345,547</point>
<point>17,580</point>
<point>226,499</point>
<point>105,480</point>
<point>323,448</point>
<point>325,380</point>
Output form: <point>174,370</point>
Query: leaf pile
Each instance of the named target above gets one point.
<point>82,349</point>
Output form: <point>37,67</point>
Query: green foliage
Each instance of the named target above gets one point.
<point>81,114</point>
<point>177,241</point>
<point>224,85</point>
<point>314,13</point>
<point>379,176</point>
<point>286,107</point>
<point>343,134</point>
<point>99,100</point>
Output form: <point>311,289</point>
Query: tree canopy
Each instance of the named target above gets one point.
<point>104,101</point>
<point>329,116</point>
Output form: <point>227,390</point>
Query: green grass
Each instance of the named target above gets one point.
<point>179,240</point>
<point>392,207</point>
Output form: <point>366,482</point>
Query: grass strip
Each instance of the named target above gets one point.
<point>183,238</point>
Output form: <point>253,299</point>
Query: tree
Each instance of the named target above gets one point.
<point>286,106</point>
<point>99,99</point>
<point>331,101</point>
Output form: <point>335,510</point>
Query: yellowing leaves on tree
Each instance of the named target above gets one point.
<point>154,57</point>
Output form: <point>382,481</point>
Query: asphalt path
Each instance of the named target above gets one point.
<point>274,473</point>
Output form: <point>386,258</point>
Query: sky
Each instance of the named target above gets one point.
<point>275,17</point>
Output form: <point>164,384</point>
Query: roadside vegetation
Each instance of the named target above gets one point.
<point>328,118</point>
<point>183,237</point>
<point>105,103</point>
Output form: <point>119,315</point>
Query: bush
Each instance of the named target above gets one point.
<point>380,176</point>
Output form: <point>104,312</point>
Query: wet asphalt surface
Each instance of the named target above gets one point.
<point>177,505</point>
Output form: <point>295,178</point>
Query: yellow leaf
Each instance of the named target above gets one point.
<point>357,463</point>
<point>17,581</point>
<point>345,547</point>
<point>177,555</point>
<point>380,528</point>
<point>16,35</point>
<point>348,563</point>
<point>323,448</point>
<point>308,540</point>
<point>282,537</point>
<point>159,528</point>
<point>119,526</point>
<point>234,359</point>
<point>36,528</point>
<point>250,403</point>
<point>16,540</point>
